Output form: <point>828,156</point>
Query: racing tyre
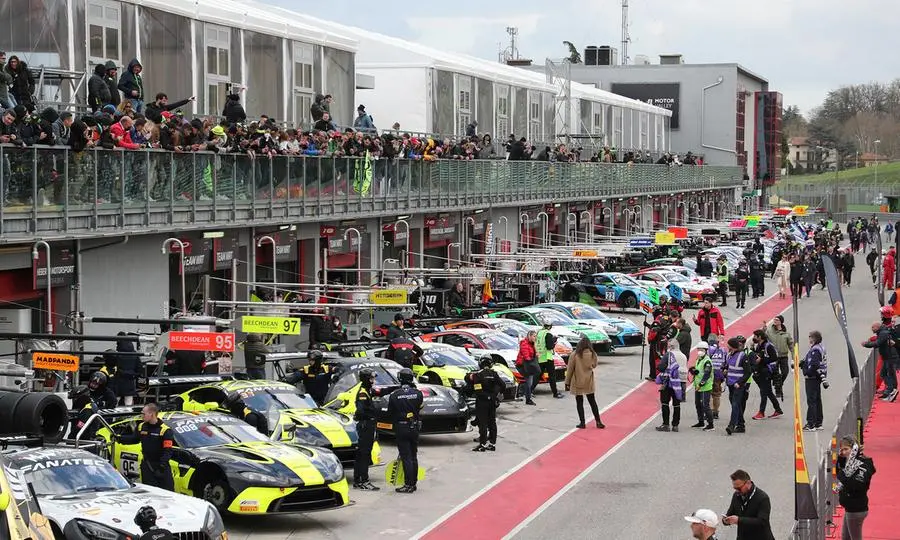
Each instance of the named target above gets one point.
<point>217,492</point>
<point>8,402</point>
<point>628,301</point>
<point>43,414</point>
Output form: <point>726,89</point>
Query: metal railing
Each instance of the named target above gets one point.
<point>856,407</point>
<point>51,191</point>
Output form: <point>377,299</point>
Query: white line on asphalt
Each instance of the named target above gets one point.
<point>571,484</point>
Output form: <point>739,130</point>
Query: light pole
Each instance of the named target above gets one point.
<point>467,242</point>
<point>35,256</point>
<point>877,194</point>
<point>589,223</point>
<point>405,262</point>
<point>449,247</point>
<point>546,228</point>
<point>638,210</point>
<point>165,249</point>
<point>358,251</point>
<point>505,221</point>
<point>523,221</point>
<point>260,243</point>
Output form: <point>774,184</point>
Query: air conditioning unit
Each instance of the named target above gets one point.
<point>670,59</point>
<point>591,54</point>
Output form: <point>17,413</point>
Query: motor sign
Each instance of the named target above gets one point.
<point>201,341</point>
<point>54,361</point>
<point>270,325</point>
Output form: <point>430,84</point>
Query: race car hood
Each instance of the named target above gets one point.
<point>319,427</point>
<point>592,333</point>
<point>439,400</point>
<point>178,513</point>
<point>292,464</point>
<point>597,324</point>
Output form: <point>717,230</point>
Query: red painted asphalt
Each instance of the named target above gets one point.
<point>881,445</point>
<point>497,511</point>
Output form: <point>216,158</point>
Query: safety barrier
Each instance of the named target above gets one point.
<point>851,420</point>
<point>52,190</point>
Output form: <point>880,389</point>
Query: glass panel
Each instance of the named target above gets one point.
<point>211,60</point>
<point>211,33</point>
<point>112,43</point>
<point>308,75</point>
<point>212,99</point>
<point>223,62</point>
<point>112,15</point>
<point>96,40</point>
<point>95,11</point>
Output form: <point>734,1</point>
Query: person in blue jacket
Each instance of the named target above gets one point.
<point>815,371</point>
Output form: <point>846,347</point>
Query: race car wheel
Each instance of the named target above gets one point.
<point>8,402</point>
<point>217,492</point>
<point>628,301</point>
<point>37,413</point>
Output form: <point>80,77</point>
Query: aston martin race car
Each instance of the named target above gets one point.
<point>604,289</point>
<point>85,498</point>
<point>282,405</point>
<point>20,514</point>
<point>445,410</point>
<point>623,332</point>
<point>537,316</point>
<point>518,330</point>
<point>225,461</point>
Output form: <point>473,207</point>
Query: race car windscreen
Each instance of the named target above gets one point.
<point>555,317</point>
<point>445,356</point>
<point>267,399</point>
<point>71,476</point>
<point>498,341</point>
<point>622,279</point>
<point>674,277</point>
<point>587,313</point>
<point>202,432</point>
<point>512,328</point>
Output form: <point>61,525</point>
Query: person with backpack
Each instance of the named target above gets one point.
<point>545,343</point>
<point>889,230</point>
<point>764,370</point>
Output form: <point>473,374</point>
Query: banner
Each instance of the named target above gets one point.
<point>837,302</point>
<point>804,503</point>
<point>664,238</point>
<point>664,95</point>
<point>224,250</point>
<point>62,268</point>
<point>675,292</point>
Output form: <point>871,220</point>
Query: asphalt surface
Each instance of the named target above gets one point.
<point>642,488</point>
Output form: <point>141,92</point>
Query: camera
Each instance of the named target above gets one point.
<point>824,383</point>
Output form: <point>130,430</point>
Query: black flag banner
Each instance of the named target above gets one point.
<point>837,303</point>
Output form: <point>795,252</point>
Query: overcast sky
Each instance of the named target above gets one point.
<point>803,47</point>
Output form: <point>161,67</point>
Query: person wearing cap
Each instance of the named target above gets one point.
<point>703,524</point>
<point>363,121</point>
<point>396,330</point>
<point>402,349</point>
<point>722,278</point>
<point>750,509</point>
<point>742,284</point>
<point>545,344</point>
<point>704,378</point>
<point>404,405</point>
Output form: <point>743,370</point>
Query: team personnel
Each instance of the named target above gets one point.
<point>127,370</point>
<point>737,377</point>
<point>670,389</point>
<point>709,320</point>
<point>156,448</point>
<point>403,409</point>
<point>402,348</point>
<point>236,406</point>
<point>717,355</point>
<point>314,376</point>
<point>545,344</point>
<point>395,330</point>
<point>750,509</point>
<point>815,372</point>
<point>742,283</point>
<point>784,347</point>
<point>146,520</point>
<point>703,524</point>
<point>365,429</point>
<point>703,385</point>
<point>255,352</point>
<point>487,386</point>
<point>722,278</point>
<point>765,365</point>
<point>100,396</point>
<point>883,341</point>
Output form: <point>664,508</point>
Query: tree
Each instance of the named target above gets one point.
<point>793,124</point>
<point>574,56</point>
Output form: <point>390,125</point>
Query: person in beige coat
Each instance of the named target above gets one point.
<point>580,380</point>
<point>782,275</point>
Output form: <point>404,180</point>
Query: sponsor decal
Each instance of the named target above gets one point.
<point>249,505</point>
<point>54,361</point>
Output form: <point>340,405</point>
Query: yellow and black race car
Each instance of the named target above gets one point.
<point>225,461</point>
<point>280,411</point>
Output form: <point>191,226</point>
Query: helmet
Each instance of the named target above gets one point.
<point>145,517</point>
<point>546,322</point>
<point>703,345</point>
<point>366,375</point>
<point>406,376</point>
<point>485,362</point>
<point>314,356</point>
<point>887,312</point>
<point>98,381</point>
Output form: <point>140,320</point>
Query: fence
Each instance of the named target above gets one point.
<point>850,422</point>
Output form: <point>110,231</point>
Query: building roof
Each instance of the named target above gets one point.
<point>799,141</point>
<point>253,17</point>
<point>741,69</point>
<point>871,156</point>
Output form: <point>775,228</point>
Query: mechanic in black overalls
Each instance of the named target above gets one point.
<point>156,448</point>
<point>404,404</point>
<point>128,369</point>
<point>314,376</point>
<point>487,385</point>
<point>403,350</point>
<point>236,407</point>
<point>146,520</point>
<point>365,429</point>
<point>100,396</point>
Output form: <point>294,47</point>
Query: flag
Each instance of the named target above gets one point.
<point>837,303</point>
<point>804,503</point>
<point>653,295</point>
<point>486,294</point>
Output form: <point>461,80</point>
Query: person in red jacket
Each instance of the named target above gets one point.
<point>121,133</point>
<point>889,266</point>
<point>527,364</point>
<point>709,321</point>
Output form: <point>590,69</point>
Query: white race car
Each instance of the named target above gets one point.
<point>85,497</point>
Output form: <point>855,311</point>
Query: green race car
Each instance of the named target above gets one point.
<point>537,316</point>
<point>287,414</point>
<point>223,460</point>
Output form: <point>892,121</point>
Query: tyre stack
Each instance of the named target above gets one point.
<point>34,413</point>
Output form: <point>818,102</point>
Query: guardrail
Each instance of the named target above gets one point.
<point>856,409</point>
<point>53,191</point>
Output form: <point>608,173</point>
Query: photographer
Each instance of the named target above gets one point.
<point>815,369</point>
<point>854,475</point>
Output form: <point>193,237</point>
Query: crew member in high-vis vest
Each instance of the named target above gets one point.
<point>737,377</point>
<point>703,385</point>
<point>716,355</point>
<point>722,278</point>
<point>670,389</point>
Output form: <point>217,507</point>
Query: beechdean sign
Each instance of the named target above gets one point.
<point>201,341</point>
<point>663,95</point>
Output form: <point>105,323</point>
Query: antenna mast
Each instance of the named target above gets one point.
<point>626,38</point>
<point>512,51</point>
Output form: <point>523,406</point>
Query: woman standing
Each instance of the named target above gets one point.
<point>782,276</point>
<point>527,364</point>
<point>580,380</point>
<point>854,474</point>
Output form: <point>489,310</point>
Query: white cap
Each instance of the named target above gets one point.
<point>704,516</point>
<point>703,345</point>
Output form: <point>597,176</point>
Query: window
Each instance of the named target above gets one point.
<point>463,102</point>
<point>645,131</point>
<point>660,133</point>
<point>303,83</point>
<point>597,121</point>
<point>501,93</point>
<point>618,121</point>
<point>217,40</point>
<point>535,126</point>
<point>104,20</point>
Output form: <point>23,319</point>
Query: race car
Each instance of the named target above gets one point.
<point>686,262</point>
<point>446,365</point>
<point>537,316</point>
<point>604,289</point>
<point>20,514</point>
<point>225,461</point>
<point>623,332</point>
<point>84,497</point>
<point>688,273</point>
<point>445,410</point>
<point>519,330</point>
<point>692,293</point>
<point>282,405</point>
<point>493,343</point>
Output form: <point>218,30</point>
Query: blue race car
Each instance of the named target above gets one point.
<point>623,332</point>
<point>604,289</point>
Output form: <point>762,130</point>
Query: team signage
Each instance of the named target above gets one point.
<point>388,297</point>
<point>585,254</point>
<point>663,95</point>
<point>224,251</point>
<point>270,325</point>
<point>54,361</point>
<point>679,232</point>
<point>664,238</point>
<point>62,268</point>
<point>201,341</point>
